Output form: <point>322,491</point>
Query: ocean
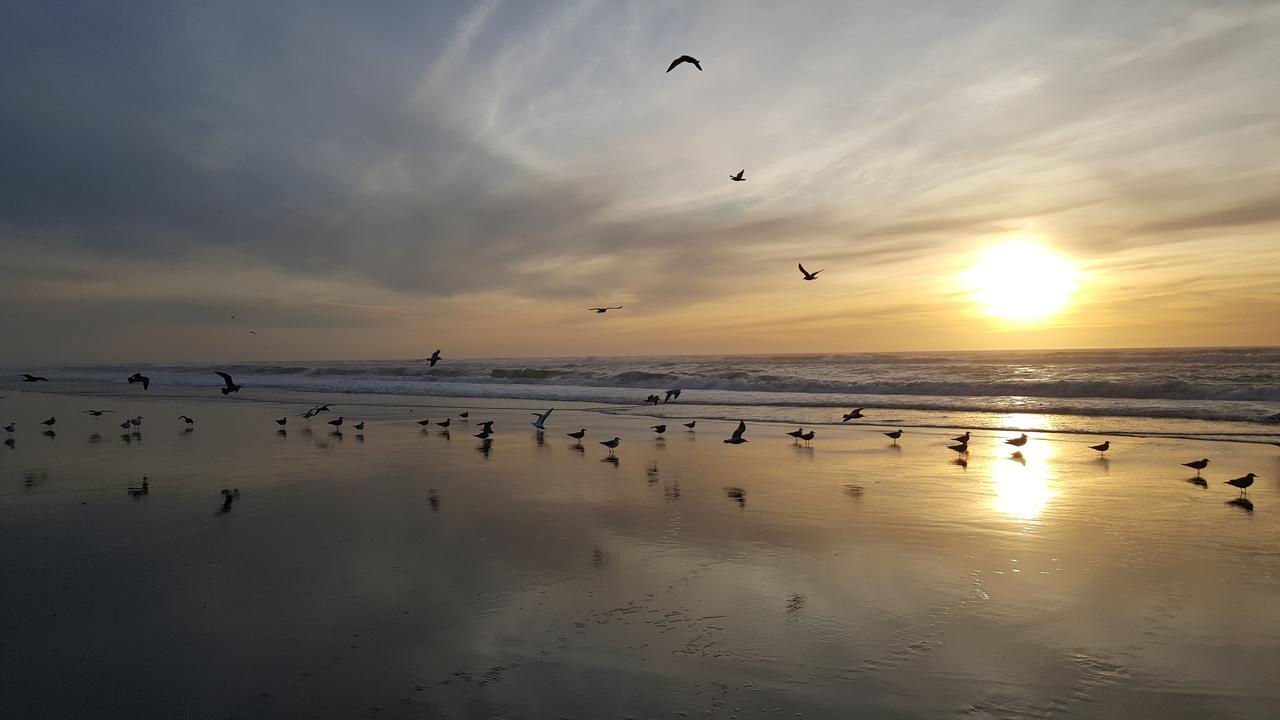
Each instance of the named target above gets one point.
<point>1202,392</point>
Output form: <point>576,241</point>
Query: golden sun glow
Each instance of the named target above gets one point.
<point>1021,280</point>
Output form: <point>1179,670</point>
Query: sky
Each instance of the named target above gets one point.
<point>375,180</point>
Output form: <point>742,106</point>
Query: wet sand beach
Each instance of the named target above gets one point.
<point>401,572</point>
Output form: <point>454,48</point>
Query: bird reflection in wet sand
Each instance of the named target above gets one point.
<point>95,438</point>
<point>651,473</point>
<point>1241,502</point>
<point>433,499</point>
<point>137,492</point>
<point>50,434</point>
<point>737,494</point>
<point>445,434</point>
<point>9,443</point>
<point>1018,458</point>
<point>486,446</point>
<point>853,491</point>
<point>611,459</point>
<point>962,462</point>
<point>1198,481</point>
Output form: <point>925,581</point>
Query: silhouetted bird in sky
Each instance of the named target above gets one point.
<point>736,438</point>
<point>50,422</point>
<point>1243,483</point>
<point>605,309</point>
<point>808,275</point>
<point>684,59</point>
<point>740,177</point>
<point>95,413</point>
<point>1103,448</point>
<point>140,378</point>
<point>1018,441</point>
<point>435,358</point>
<point>542,418</point>
<point>852,415</point>
<point>231,384</point>
<point>672,394</point>
<point>28,377</point>
<point>1197,465</point>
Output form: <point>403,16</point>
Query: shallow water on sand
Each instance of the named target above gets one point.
<point>402,573</point>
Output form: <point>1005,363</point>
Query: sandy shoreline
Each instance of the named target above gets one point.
<point>409,574</point>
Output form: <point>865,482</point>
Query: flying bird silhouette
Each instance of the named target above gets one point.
<point>852,415</point>
<point>605,309</point>
<point>95,413</point>
<point>740,177</point>
<point>685,59</point>
<point>140,378</point>
<point>28,377</point>
<point>435,358</point>
<point>808,275</point>
<point>542,418</point>
<point>232,386</point>
<point>736,438</point>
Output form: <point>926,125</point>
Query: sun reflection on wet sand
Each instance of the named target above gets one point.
<point>1023,478</point>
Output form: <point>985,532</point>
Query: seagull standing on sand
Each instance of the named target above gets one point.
<point>140,378</point>
<point>28,377</point>
<point>611,444</point>
<point>444,424</point>
<point>542,419</point>
<point>806,437</point>
<point>435,358</point>
<point>658,428</point>
<point>894,435</point>
<point>736,438</point>
<point>740,177</point>
<point>282,421</point>
<point>1102,449</point>
<point>691,425</point>
<point>853,414</point>
<point>231,385</point>
<point>359,425</point>
<point>336,423</point>
<point>578,435</point>
<point>685,59</point>
<point>50,422</point>
<point>1243,483</point>
<point>1197,465</point>
<point>603,310</point>
<point>1018,441</point>
<point>962,438</point>
<point>808,275</point>
<point>796,433</point>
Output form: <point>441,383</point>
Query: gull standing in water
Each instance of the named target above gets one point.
<point>853,414</point>
<point>736,438</point>
<point>542,419</point>
<point>691,425</point>
<point>962,438</point>
<point>1197,465</point>
<point>231,385</point>
<point>894,435</point>
<point>445,424</point>
<point>1102,449</point>
<point>1018,441</point>
<point>806,437</point>
<point>578,435</point>
<point>808,275</point>
<point>611,444</point>
<point>796,434</point>
<point>359,425</point>
<point>658,428</point>
<point>962,448</point>
<point>1243,483</point>
<point>282,421</point>
<point>336,423</point>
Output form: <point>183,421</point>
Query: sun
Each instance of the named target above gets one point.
<point>1021,280</point>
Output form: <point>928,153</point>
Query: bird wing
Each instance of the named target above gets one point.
<point>742,427</point>
<point>801,266</point>
<point>675,62</point>
<point>225,377</point>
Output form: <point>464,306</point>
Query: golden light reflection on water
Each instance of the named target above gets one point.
<point>1024,484</point>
